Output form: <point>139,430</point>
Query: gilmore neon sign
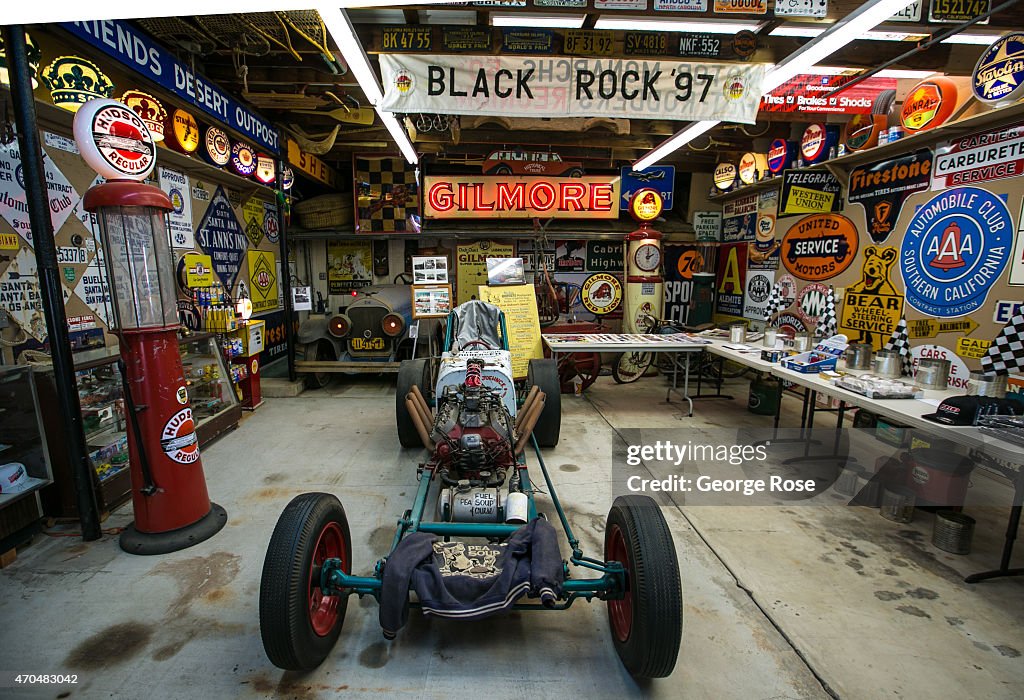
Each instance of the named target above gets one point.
<point>493,197</point>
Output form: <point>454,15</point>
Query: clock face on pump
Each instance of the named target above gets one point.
<point>647,257</point>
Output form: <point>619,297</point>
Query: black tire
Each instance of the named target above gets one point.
<point>883,102</point>
<point>410,373</point>
<point>649,644</point>
<point>544,375</point>
<point>503,170</point>
<point>321,351</point>
<point>576,172</point>
<point>286,588</point>
<point>630,366</point>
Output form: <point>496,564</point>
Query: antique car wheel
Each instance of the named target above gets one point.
<point>321,351</point>
<point>410,373</point>
<point>544,375</point>
<point>647,623</point>
<point>298,623</point>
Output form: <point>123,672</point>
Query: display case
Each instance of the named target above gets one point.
<point>24,463</point>
<point>101,396</point>
<point>215,405</point>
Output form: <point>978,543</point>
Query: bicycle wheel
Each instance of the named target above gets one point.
<point>630,366</point>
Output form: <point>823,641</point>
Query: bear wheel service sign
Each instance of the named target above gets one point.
<point>955,248</point>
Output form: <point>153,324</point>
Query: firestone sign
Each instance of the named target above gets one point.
<point>499,197</point>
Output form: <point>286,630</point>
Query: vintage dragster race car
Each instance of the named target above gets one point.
<point>487,550</point>
<point>369,333</point>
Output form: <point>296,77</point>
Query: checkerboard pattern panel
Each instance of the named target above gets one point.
<point>388,196</point>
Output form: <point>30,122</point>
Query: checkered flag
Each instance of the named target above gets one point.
<point>900,342</point>
<point>1006,353</point>
<point>827,325</point>
<point>776,303</point>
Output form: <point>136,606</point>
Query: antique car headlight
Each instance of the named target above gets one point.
<point>392,325</point>
<point>339,326</point>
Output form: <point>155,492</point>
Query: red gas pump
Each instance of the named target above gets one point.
<point>172,508</point>
<point>645,286</point>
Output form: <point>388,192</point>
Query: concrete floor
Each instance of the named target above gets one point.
<point>780,602</point>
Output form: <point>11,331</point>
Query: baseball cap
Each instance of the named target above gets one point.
<point>965,410</point>
<point>13,478</point>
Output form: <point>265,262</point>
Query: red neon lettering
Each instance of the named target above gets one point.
<point>440,196</point>
<point>601,197</point>
<point>478,196</point>
<point>511,196</point>
<point>536,202</point>
<point>572,193</point>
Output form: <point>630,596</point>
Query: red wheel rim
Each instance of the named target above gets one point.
<point>323,609</point>
<point>583,364</point>
<point>620,611</point>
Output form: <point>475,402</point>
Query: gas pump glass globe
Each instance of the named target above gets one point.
<point>137,255</point>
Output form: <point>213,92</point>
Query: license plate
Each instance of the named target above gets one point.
<point>367,343</point>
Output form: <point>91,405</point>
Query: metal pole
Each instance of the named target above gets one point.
<point>49,278</point>
<point>286,274</point>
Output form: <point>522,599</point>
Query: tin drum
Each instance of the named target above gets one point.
<point>937,477</point>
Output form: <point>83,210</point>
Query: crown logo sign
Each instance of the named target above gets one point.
<point>73,81</point>
<point>149,109</point>
<point>34,57</point>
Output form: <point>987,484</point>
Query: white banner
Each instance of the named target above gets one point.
<point>574,87</point>
<point>175,184</point>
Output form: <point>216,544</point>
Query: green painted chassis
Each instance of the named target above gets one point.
<point>611,585</point>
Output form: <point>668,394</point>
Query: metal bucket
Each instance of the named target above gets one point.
<point>953,532</point>
<point>897,504</point>
<point>888,364</point>
<point>848,481</point>
<point>987,384</point>
<point>858,356</point>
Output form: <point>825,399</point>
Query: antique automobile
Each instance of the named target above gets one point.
<point>519,162</point>
<point>369,332</point>
<point>475,541</point>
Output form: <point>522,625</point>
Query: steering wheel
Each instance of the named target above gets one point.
<point>472,343</point>
<point>402,278</point>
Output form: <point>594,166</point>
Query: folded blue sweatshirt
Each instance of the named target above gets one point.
<point>470,581</point>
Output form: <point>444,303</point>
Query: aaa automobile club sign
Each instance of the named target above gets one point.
<point>955,248</point>
<point>537,86</point>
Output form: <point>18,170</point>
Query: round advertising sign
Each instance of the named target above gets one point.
<point>218,146</point>
<point>812,143</point>
<point>601,293</point>
<point>820,246</point>
<point>114,141</point>
<point>149,109</point>
<point>778,155</point>
<point>184,132</point>
<point>243,159</point>
<point>725,174</point>
<point>928,104</point>
<point>999,74</point>
<point>646,205</point>
<point>178,438</point>
<point>266,171</point>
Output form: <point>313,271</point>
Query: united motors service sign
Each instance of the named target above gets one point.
<point>560,86</point>
<point>501,197</point>
<point>955,248</point>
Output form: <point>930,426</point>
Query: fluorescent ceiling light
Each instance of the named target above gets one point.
<point>340,29</point>
<point>660,25</point>
<point>980,39</point>
<point>534,20</point>
<point>866,17</point>
<point>805,31</point>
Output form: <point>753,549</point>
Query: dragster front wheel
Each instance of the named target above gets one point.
<point>298,623</point>
<point>647,622</point>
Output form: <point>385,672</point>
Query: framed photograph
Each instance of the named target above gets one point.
<point>429,269</point>
<point>431,301</point>
<point>505,271</point>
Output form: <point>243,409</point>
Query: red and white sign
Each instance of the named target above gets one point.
<point>178,438</point>
<point>114,140</point>
<point>500,197</point>
<point>806,94</point>
<point>813,141</point>
<point>980,157</point>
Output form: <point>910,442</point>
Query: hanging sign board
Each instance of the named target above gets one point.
<point>806,94</point>
<point>980,157</point>
<point>139,52</point>
<point>707,225</point>
<point>954,250</point>
<point>311,165</point>
<point>502,197</point>
<point>882,188</point>
<point>566,87</point>
<point>175,184</point>
<point>223,238</point>
<point>659,177</point>
<point>522,321</point>
<point>808,192</point>
<point>262,280</point>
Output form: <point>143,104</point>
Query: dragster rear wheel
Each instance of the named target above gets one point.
<point>298,623</point>
<point>647,623</point>
<point>544,375</point>
<point>410,373</point>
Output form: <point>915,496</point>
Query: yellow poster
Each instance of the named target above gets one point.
<point>262,280</point>
<point>198,270</point>
<point>471,265</point>
<point>521,320</point>
<point>348,266</point>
